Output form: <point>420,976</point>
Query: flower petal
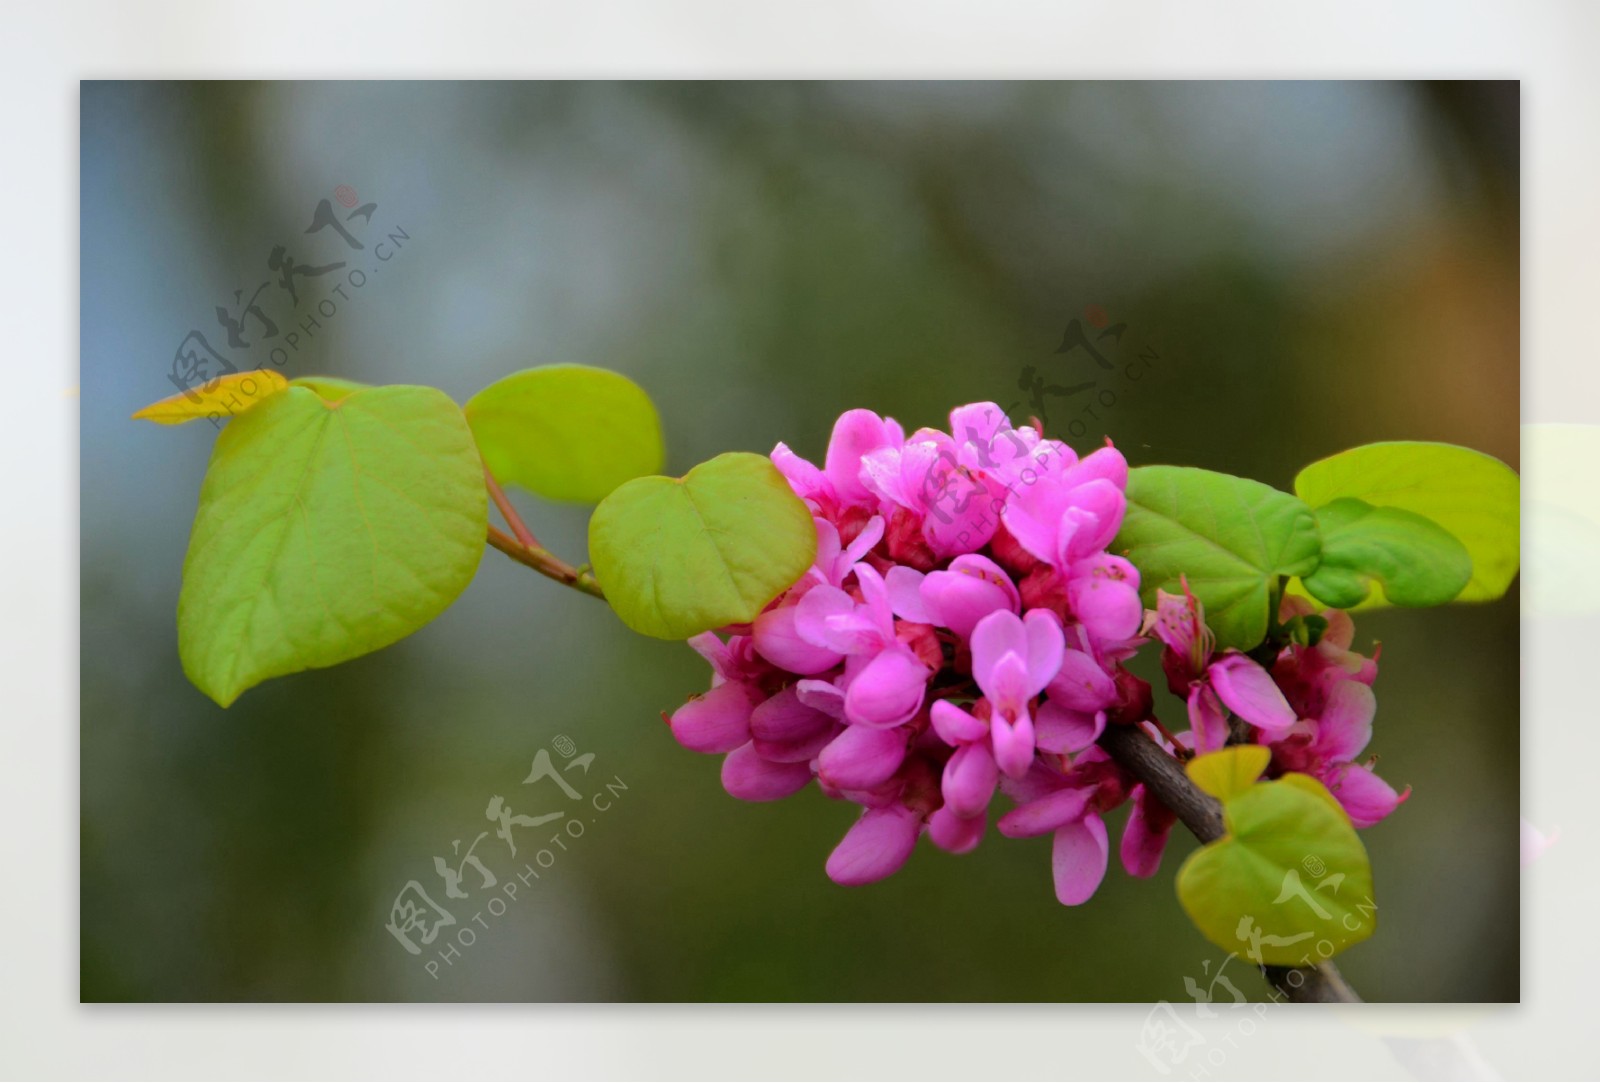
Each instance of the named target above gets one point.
<point>1248,691</point>
<point>1064,730</point>
<point>888,690</point>
<point>1046,647</point>
<point>1046,814</point>
<point>1207,722</point>
<point>826,617</point>
<point>956,725</point>
<point>856,433</point>
<point>779,642</point>
<point>969,780</point>
<point>1365,796</point>
<point>875,846</point>
<point>1013,744</point>
<point>1081,684</point>
<point>1079,858</point>
<point>998,634</point>
<point>951,833</point>
<point>1144,838</point>
<point>1345,725</point>
<point>749,777</point>
<point>905,595</point>
<point>861,757</point>
<point>718,721</point>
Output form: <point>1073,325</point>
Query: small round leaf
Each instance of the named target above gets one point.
<point>1472,495</point>
<point>680,556</point>
<point>566,432</point>
<point>1412,560</point>
<point>1290,883</point>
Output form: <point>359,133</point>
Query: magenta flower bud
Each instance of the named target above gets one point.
<point>888,690</point>
<point>970,590</point>
<point>861,757</point>
<point>970,777</point>
<point>875,846</point>
<point>1103,592</point>
<point>855,434</point>
<point>1144,839</point>
<point>777,640</point>
<point>1078,859</point>
<point>718,721</point>
<point>953,834</point>
<point>749,777</point>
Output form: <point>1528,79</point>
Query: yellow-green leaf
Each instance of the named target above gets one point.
<point>1405,558</point>
<point>1290,883</point>
<point>677,557</point>
<point>1472,495</point>
<point>1230,771</point>
<point>224,398</point>
<point>326,531</point>
<point>566,432</point>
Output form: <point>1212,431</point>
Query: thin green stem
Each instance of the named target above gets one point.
<point>524,548</point>
<point>545,563</point>
<point>509,512</point>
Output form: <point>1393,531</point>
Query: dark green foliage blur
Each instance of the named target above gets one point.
<point>1301,267</point>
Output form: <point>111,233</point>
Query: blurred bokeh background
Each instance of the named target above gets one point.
<point>1300,268</point>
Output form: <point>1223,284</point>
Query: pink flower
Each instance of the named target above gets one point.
<point>1081,848</point>
<point>876,846</point>
<point>774,634</point>
<point>1144,837</point>
<point>884,681</point>
<point>1071,514</point>
<point>953,506</point>
<point>957,598</point>
<point>856,435</point>
<point>1326,747</point>
<point>1012,661</point>
<point>1234,681</point>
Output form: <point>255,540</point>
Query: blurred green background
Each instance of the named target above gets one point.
<point>1304,267</point>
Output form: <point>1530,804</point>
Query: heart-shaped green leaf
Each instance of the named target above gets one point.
<point>1290,883</point>
<point>1229,537</point>
<point>566,432</point>
<point>327,530</point>
<point>1412,560</point>
<point>677,557</point>
<point>1471,495</point>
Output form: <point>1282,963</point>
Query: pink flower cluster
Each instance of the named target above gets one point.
<point>1313,709</point>
<point>962,632</point>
